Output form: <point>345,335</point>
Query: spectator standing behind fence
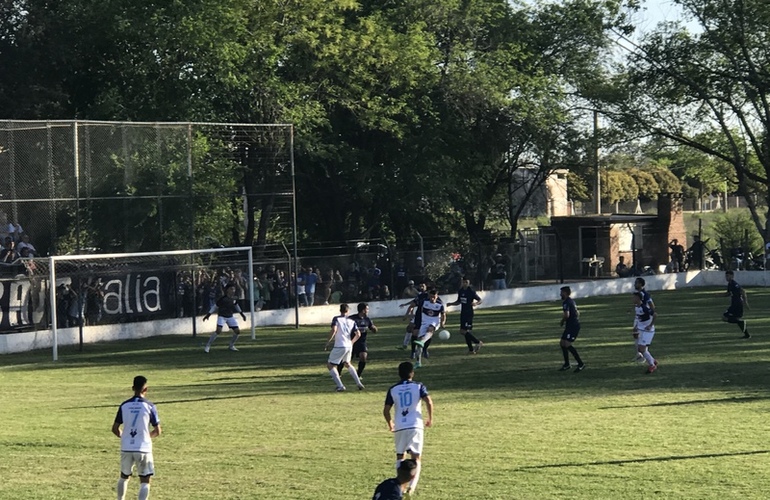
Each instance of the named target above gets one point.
<point>622,269</point>
<point>15,231</point>
<point>402,276</point>
<point>311,280</point>
<point>499,274</point>
<point>94,301</point>
<point>677,256</point>
<point>73,307</point>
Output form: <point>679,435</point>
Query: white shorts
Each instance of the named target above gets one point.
<point>424,330</point>
<point>142,461</point>
<point>645,337</point>
<point>340,355</point>
<point>409,440</point>
<point>231,322</point>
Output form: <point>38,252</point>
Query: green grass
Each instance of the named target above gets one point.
<point>264,423</point>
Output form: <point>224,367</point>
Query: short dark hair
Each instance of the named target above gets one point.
<point>729,273</point>
<point>406,470</point>
<point>432,291</point>
<point>638,295</point>
<point>641,281</point>
<point>139,383</point>
<point>566,289</point>
<point>405,370</point>
<point>344,308</point>
<point>362,306</point>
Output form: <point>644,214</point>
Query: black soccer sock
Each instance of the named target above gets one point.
<point>565,352</point>
<point>468,340</point>
<point>472,338</point>
<point>742,326</point>
<point>361,366</point>
<point>575,354</point>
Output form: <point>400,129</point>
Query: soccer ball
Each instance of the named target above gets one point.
<point>444,335</point>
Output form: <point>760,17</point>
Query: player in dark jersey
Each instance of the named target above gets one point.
<point>467,298</point>
<point>394,488</point>
<point>364,323</point>
<point>734,313</point>
<point>226,307</point>
<point>571,323</point>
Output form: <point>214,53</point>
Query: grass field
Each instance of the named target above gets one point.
<point>265,422</point>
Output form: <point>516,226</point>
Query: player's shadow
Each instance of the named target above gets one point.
<point>745,399</point>
<point>669,458</point>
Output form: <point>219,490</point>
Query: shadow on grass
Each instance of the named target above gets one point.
<point>643,460</point>
<point>747,399</point>
<point>521,355</point>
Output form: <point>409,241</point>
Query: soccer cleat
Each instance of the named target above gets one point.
<point>361,387</point>
<point>401,347</point>
<point>233,348</point>
<point>580,367</point>
<point>420,343</point>
<point>418,365</point>
<point>746,336</point>
<point>206,348</point>
<point>341,389</point>
<point>564,368</point>
<point>426,354</point>
<point>652,368</point>
<point>477,347</point>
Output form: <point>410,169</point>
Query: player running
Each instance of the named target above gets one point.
<point>365,325</point>
<point>406,397</point>
<point>738,299</point>
<point>344,333</point>
<point>468,299</point>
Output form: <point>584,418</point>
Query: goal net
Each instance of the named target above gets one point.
<point>116,289</point>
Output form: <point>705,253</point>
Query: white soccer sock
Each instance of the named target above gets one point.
<point>407,338</point>
<point>336,377</point>
<point>212,338</point>
<point>418,352</point>
<point>649,358</point>
<point>413,482</point>
<point>122,483</point>
<point>144,491</point>
<point>354,374</point>
<point>234,339</point>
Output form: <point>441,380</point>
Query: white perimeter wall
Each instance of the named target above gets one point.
<point>322,315</point>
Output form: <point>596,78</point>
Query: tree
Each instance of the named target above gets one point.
<point>708,90</point>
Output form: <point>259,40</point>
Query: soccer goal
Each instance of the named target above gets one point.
<point>114,289</point>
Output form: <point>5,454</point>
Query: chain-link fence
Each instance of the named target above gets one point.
<point>78,186</point>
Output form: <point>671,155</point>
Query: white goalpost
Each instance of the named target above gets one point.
<point>143,286</point>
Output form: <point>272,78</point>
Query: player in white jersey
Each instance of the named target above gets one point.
<point>344,333</point>
<point>639,285</point>
<point>644,329</point>
<point>407,397</point>
<point>433,319</point>
<point>136,415</point>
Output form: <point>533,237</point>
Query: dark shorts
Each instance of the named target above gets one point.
<point>466,322</point>
<point>359,347</point>
<point>570,334</point>
<point>733,314</point>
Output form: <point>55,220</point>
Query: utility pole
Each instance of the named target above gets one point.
<point>596,164</point>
